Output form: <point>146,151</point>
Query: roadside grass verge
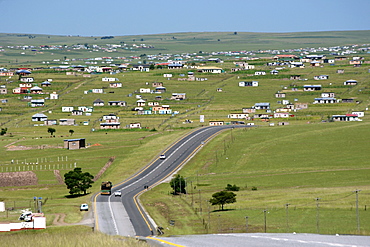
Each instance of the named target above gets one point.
<point>66,236</point>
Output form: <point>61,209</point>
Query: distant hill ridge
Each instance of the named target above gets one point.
<point>204,41</point>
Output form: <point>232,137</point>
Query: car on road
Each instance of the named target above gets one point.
<point>117,193</point>
<point>84,207</point>
<point>162,156</point>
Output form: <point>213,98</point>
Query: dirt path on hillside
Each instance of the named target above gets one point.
<point>59,220</point>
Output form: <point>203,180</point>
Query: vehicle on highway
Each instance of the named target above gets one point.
<point>162,156</point>
<point>106,188</point>
<point>84,207</point>
<point>117,193</point>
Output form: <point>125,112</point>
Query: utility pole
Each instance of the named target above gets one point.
<point>246,223</point>
<point>192,196</point>
<point>264,213</point>
<point>200,202</point>
<point>317,215</point>
<point>287,215</point>
<point>357,213</point>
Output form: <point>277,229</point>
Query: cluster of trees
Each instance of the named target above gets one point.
<point>52,131</point>
<point>227,196</point>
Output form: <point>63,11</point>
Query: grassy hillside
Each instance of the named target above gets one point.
<point>309,158</point>
<point>273,167</point>
<point>202,41</point>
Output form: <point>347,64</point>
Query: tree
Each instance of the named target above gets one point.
<point>51,131</point>
<point>77,181</point>
<point>222,198</point>
<point>71,132</point>
<point>151,67</point>
<point>3,131</point>
<point>178,184</point>
<point>230,187</point>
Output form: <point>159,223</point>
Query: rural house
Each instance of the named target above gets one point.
<point>115,84</point>
<point>178,96</point>
<point>311,87</point>
<point>347,117</point>
<point>37,102</point>
<point>325,101</point>
<point>261,106</point>
<point>74,143</point>
<point>117,103</point>
<point>216,123</point>
<point>350,83</point>
<point>54,95</point>
<point>248,84</point>
<point>214,70</point>
<point>39,117</point>
<point>27,79</point>
<point>98,102</point>
<point>280,95</point>
<point>238,115</point>
<point>321,77</point>
<point>67,122</point>
<point>135,125</point>
<point>328,95</point>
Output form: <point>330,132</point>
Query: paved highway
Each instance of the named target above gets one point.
<point>262,240</point>
<point>124,215</point>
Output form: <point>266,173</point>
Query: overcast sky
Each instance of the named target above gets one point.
<point>123,17</point>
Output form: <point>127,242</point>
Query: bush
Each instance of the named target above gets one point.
<point>230,187</point>
<point>254,188</point>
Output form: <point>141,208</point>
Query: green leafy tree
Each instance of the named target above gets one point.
<point>178,184</point>
<point>223,197</point>
<point>3,131</point>
<point>151,67</point>
<point>51,131</point>
<point>78,181</point>
<point>230,187</point>
<point>71,132</point>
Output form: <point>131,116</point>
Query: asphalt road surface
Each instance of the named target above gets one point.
<point>123,215</point>
<point>262,240</point>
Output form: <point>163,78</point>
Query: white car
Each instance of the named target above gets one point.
<point>84,207</point>
<point>162,156</point>
<point>117,193</point>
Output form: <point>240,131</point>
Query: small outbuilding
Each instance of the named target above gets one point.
<point>74,143</point>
